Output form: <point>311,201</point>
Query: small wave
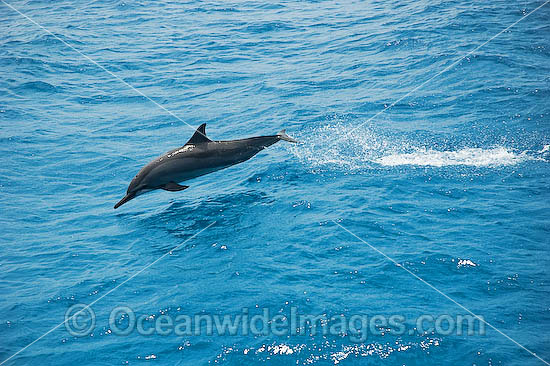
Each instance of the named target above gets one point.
<point>37,86</point>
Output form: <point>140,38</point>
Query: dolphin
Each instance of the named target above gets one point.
<point>199,156</point>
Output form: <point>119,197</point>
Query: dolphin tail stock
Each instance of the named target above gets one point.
<point>283,136</point>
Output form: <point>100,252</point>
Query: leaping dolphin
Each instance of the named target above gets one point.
<point>199,156</point>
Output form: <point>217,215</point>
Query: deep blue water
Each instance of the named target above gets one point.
<point>452,182</point>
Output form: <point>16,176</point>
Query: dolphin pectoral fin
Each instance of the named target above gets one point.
<point>173,187</point>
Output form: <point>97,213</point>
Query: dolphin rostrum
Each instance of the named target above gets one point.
<point>199,156</point>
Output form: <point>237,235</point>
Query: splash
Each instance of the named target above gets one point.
<point>333,146</point>
<point>497,156</point>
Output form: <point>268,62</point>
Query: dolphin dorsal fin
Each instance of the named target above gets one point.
<point>199,136</point>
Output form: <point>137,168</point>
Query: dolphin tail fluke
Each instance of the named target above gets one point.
<point>283,136</point>
<point>125,199</point>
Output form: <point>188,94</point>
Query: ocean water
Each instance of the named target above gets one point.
<point>452,182</point>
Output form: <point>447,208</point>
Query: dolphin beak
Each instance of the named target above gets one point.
<point>125,199</point>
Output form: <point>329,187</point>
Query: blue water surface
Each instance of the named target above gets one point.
<point>452,182</point>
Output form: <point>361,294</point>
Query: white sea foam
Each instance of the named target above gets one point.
<point>331,351</point>
<point>496,156</point>
<point>333,146</point>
